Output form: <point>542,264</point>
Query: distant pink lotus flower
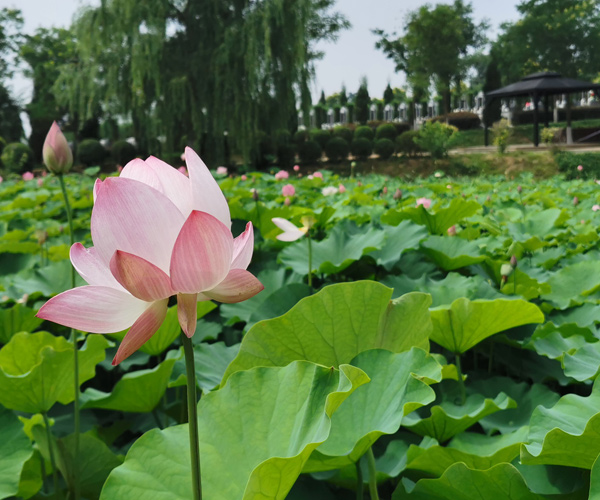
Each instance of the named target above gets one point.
<point>244,177</point>
<point>221,170</point>
<point>310,176</point>
<point>119,168</point>
<point>595,208</point>
<point>27,176</point>
<point>384,190</point>
<point>282,174</point>
<point>156,234</point>
<point>341,188</point>
<point>318,174</point>
<point>296,168</point>
<point>1,179</point>
<point>426,202</point>
<point>451,230</point>
<point>183,170</point>
<point>398,194</point>
<point>290,231</point>
<point>40,182</point>
<point>56,152</point>
<point>575,200</point>
<point>182,157</point>
<point>288,190</point>
<point>580,167</point>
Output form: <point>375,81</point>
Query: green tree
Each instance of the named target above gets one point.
<point>493,81</point>
<point>195,70</point>
<point>343,98</point>
<point>361,103</point>
<point>11,27</point>
<point>388,94</point>
<point>435,46</point>
<point>552,35</point>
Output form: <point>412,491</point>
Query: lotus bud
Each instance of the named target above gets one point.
<point>255,196</point>
<point>296,168</point>
<point>513,261</point>
<point>287,202</point>
<point>452,230</point>
<point>385,190</point>
<point>56,152</point>
<point>398,195</point>
<point>41,235</point>
<point>580,167</point>
<point>506,269</point>
<point>519,189</point>
<point>575,200</point>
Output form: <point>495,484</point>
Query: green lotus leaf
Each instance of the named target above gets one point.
<point>18,318</point>
<point>31,481</point>
<point>554,341</point>
<point>15,450</point>
<point>405,236</point>
<point>452,253</point>
<point>476,451</point>
<point>520,283</point>
<point>345,244</point>
<point>438,222</point>
<point>465,323</point>
<point>255,436</point>
<point>459,482</point>
<point>398,386</point>
<point>334,325</point>
<point>583,316</point>
<point>540,224</point>
<point>447,419</point>
<point>138,391</point>
<point>211,361</point>
<point>566,434</point>
<point>583,363</point>
<point>595,480</point>
<point>36,370</point>
<point>571,284</point>
<point>279,302</point>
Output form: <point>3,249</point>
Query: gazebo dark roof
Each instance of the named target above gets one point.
<point>548,83</point>
<point>540,85</point>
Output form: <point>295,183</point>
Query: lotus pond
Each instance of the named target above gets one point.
<point>447,349</point>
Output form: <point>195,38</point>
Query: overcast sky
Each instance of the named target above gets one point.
<point>345,62</point>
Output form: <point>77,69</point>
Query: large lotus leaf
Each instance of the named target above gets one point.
<point>279,302</point>
<point>334,325</point>
<point>398,386</point>
<point>31,480</point>
<point>547,257</point>
<point>138,391</point>
<point>255,436</point>
<point>586,315</point>
<point>459,482</point>
<point>405,236</point>
<point>465,323</point>
<point>49,280</point>
<point>583,363</point>
<point>345,244</point>
<point>36,370</point>
<point>447,418</point>
<point>540,224</point>
<point>273,280</point>
<point>210,360</point>
<point>453,253</point>
<point>438,222</point>
<point>595,480</point>
<point>444,291</point>
<point>566,434</point>
<point>570,285</point>
<point>15,450</point>
<point>527,396</point>
<point>18,318</point>
<point>554,341</point>
<point>520,283</point>
<point>476,451</point>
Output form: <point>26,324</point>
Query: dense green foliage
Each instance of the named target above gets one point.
<point>122,152</point>
<point>309,151</point>
<point>384,148</point>
<point>405,143</point>
<point>17,157</point>
<point>91,152</point>
<point>336,149</point>
<point>361,148</point>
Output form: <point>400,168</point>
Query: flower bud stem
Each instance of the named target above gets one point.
<point>52,457</point>
<point>359,482</point>
<point>309,259</point>
<point>76,419</point>
<point>192,405</point>
<point>372,475</point>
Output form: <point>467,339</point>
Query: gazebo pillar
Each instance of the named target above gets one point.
<point>536,121</point>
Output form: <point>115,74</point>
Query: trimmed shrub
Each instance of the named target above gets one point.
<point>286,155</point>
<point>462,120</point>
<point>91,152</point>
<point>386,131</point>
<point>123,152</point>
<point>402,127</point>
<point>343,132</point>
<point>301,136</point>
<point>502,133</point>
<point>321,136</point>
<point>406,145</point>
<point>437,138</point>
<point>17,157</point>
<point>384,148</point>
<point>361,148</point>
<point>336,149</point>
<point>364,132</point>
<point>309,152</point>
<point>282,137</point>
<point>568,162</point>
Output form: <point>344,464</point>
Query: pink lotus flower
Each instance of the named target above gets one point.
<point>426,202</point>
<point>595,208</point>
<point>244,177</point>
<point>341,188</point>
<point>27,176</point>
<point>1,179</point>
<point>288,190</point>
<point>290,231</point>
<point>384,190</point>
<point>40,182</point>
<point>156,234</point>
<point>296,168</point>
<point>451,230</point>
<point>119,169</point>
<point>221,170</point>
<point>318,174</point>
<point>282,174</point>
<point>580,167</point>
<point>56,152</point>
<point>575,200</point>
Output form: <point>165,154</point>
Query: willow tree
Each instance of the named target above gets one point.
<point>191,71</point>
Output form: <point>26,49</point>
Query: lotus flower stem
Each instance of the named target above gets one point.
<point>461,382</point>
<point>359,481</point>
<point>372,475</point>
<point>51,452</point>
<point>309,259</point>
<point>73,339</point>
<point>192,403</point>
